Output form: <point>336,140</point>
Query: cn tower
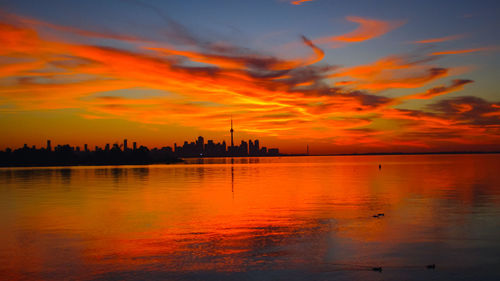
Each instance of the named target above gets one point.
<point>232,143</point>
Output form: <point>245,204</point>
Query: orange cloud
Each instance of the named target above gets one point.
<point>299,2</point>
<point>465,51</point>
<point>456,85</point>
<point>441,39</point>
<point>368,29</point>
<point>244,61</point>
<point>392,72</point>
<point>470,110</point>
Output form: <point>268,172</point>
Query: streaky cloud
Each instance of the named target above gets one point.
<point>456,85</point>
<point>300,2</point>
<point>440,39</point>
<point>367,29</point>
<point>464,51</point>
<point>471,111</point>
<point>395,71</point>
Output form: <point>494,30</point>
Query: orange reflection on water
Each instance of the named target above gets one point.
<point>255,214</point>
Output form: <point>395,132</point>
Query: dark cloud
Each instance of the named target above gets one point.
<point>469,110</point>
<point>312,74</point>
<point>369,100</point>
<point>437,71</point>
<point>440,90</point>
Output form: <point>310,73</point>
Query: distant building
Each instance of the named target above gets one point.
<point>250,147</point>
<point>200,145</point>
<point>223,147</point>
<point>210,148</point>
<point>273,151</point>
<point>253,148</point>
<point>263,150</point>
<point>243,149</point>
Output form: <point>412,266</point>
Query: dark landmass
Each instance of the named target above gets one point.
<point>67,156</point>
<point>397,153</point>
<point>122,154</point>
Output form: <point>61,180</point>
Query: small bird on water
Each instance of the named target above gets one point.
<point>431,266</point>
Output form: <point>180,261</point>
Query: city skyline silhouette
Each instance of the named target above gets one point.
<point>116,153</point>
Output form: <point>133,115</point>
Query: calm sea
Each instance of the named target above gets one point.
<point>283,218</point>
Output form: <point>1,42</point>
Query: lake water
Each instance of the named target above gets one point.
<point>283,218</point>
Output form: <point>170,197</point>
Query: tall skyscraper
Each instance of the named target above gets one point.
<point>250,147</point>
<point>125,145</point>
<point>243,148</point>
<point>200,145</point>
<point>232,142</point>
<point>49,147</point>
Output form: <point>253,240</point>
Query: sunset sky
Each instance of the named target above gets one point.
<point>339,76</point>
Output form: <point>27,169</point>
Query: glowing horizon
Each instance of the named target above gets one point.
<point>349,83</point>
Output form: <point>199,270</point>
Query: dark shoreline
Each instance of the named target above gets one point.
<point>400,153</point>
<point>180,160</point>
<point>176,161</point>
